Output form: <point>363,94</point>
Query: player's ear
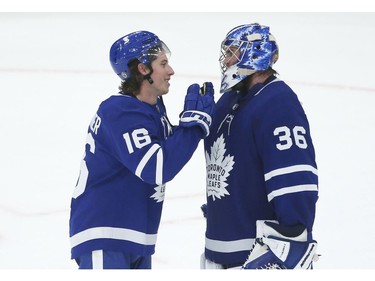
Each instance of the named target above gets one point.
<point>143,69</point>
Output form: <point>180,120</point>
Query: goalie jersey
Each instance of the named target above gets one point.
<point>260,163</point>
<point>131,152</point>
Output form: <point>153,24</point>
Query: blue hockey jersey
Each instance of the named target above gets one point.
<point>260,163</point>
<point>131,152</point>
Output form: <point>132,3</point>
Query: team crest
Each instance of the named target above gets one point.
<point>158,196</point>
<point>218,168</point>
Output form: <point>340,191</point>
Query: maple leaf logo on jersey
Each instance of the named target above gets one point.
<point>218,168</point>
<point>159,194</point>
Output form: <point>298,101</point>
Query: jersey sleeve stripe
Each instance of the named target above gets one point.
<point>159,167</point>
<point>112,233</point>
<point>292,189</point>
<point>290,169</point>
<point>145,159</point>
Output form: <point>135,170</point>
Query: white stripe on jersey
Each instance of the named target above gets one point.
<point>229,246</point>
<point>159,167</point>
<point>292,189</point>
<point>113,233</point>
<point>291,169</point>
<point>146,158</point>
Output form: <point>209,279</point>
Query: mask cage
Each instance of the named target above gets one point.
<point>231,49</point>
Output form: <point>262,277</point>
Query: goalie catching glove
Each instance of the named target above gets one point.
<point>198,107</point>
<point>280,247</point>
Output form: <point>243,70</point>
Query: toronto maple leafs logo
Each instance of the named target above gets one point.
<point>218,168</point>
<point>159,194</point>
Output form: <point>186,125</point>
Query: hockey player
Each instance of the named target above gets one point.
<point>131,152</point>
<point>262,179</point>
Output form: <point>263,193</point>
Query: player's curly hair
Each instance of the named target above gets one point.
<point>132,85</point>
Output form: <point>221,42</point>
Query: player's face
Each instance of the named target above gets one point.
<point>231,56</point>
<point>161,74</point>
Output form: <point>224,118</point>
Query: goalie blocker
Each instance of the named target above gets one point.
<point>280,247</point>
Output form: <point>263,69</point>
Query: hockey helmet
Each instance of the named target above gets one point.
<point>139,45</point>
<point>252,47</point>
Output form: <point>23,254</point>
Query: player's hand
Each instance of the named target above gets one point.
<point>200,98</point>
<point>199,107</point>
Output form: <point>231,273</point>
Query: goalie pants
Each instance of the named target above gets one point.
<point>207,264</point>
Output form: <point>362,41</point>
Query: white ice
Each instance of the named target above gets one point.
<point>54,72</point>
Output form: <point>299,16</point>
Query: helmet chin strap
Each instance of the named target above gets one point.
<point>148,78</point>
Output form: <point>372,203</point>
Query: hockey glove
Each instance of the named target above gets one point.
<point>198,107</point>
<point>280,247</point>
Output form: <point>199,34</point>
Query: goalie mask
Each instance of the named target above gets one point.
<point>245,50</point>
<point>143,46</point>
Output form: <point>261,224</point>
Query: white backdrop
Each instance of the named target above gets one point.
<point>54,72</point>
